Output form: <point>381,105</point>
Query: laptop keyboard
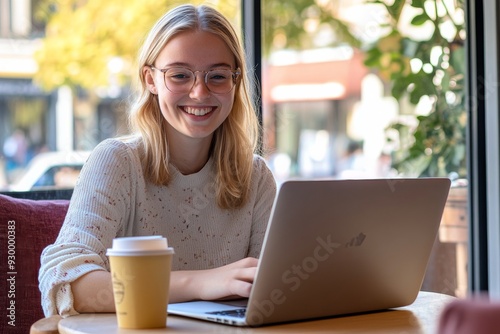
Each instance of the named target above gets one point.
<point>239,313</point>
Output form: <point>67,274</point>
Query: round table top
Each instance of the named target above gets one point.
<point>420,317</point>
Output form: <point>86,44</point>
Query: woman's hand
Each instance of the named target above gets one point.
<point>227,282</point>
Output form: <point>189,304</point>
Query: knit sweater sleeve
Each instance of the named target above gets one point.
<point>98,211</point>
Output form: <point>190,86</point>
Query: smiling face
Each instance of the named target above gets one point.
<point>198,113</point>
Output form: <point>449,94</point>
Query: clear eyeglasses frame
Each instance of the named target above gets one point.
<point>182,80</point>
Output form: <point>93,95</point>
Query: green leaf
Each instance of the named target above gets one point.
<point>396,8</point>
<point>372,58</point>
<point>418,3</point>
<point>399,88</point>
<point>420,19</point>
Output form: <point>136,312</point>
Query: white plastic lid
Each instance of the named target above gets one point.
<point>143,245</point>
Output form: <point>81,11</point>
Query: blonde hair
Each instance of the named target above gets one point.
<point>233,143</point>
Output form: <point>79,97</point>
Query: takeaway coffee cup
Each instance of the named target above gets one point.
<point>140,270</point>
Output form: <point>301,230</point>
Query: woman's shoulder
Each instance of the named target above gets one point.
<point>261,167</point>
<point>259,162</point>
<point>116,149</point>
<point>263,180</point>
<point>118,145</point>
<point>110,160</point>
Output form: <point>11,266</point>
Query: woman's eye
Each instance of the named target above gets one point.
<point>180,76</point>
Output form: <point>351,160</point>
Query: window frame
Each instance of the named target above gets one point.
<point>489,180</point>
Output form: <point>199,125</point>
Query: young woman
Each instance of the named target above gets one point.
<point>190,174</point>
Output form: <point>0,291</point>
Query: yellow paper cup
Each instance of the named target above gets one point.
<point>140,270</point>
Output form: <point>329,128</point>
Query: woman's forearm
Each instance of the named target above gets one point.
<point>93,292</point>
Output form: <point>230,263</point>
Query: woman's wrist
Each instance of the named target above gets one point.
<point>183,286</point>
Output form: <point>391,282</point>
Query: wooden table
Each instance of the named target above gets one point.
<point>420,317</point>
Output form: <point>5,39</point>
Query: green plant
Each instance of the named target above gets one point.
<point>430,67</point>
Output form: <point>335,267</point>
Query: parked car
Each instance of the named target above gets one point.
<point>51,170</point>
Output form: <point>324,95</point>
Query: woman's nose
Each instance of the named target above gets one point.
<point>199,89</point>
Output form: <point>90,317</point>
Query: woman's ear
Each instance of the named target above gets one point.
<point>149,79</point>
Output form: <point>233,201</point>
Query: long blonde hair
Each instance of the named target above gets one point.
<point>234,142</point>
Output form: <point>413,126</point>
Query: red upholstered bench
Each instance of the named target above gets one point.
<point>26,227</point>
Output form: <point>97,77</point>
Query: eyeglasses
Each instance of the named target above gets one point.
<point>182,80</point>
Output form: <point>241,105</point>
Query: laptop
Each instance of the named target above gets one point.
<point>337,247</point>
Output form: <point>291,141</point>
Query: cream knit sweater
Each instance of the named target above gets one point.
<point>112,199</point>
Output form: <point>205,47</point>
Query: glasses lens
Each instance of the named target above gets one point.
<point>219,81</point>
<point>179,80</point>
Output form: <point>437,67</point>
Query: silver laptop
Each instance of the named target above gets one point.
<point>337,247</point>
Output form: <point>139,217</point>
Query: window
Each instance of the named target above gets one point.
<point>342,98</point>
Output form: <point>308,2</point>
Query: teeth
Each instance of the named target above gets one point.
<point>197,111</point>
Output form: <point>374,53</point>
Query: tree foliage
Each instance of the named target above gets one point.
<point>85,37</point>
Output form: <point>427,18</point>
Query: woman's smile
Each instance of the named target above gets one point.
<point>198,111</point>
